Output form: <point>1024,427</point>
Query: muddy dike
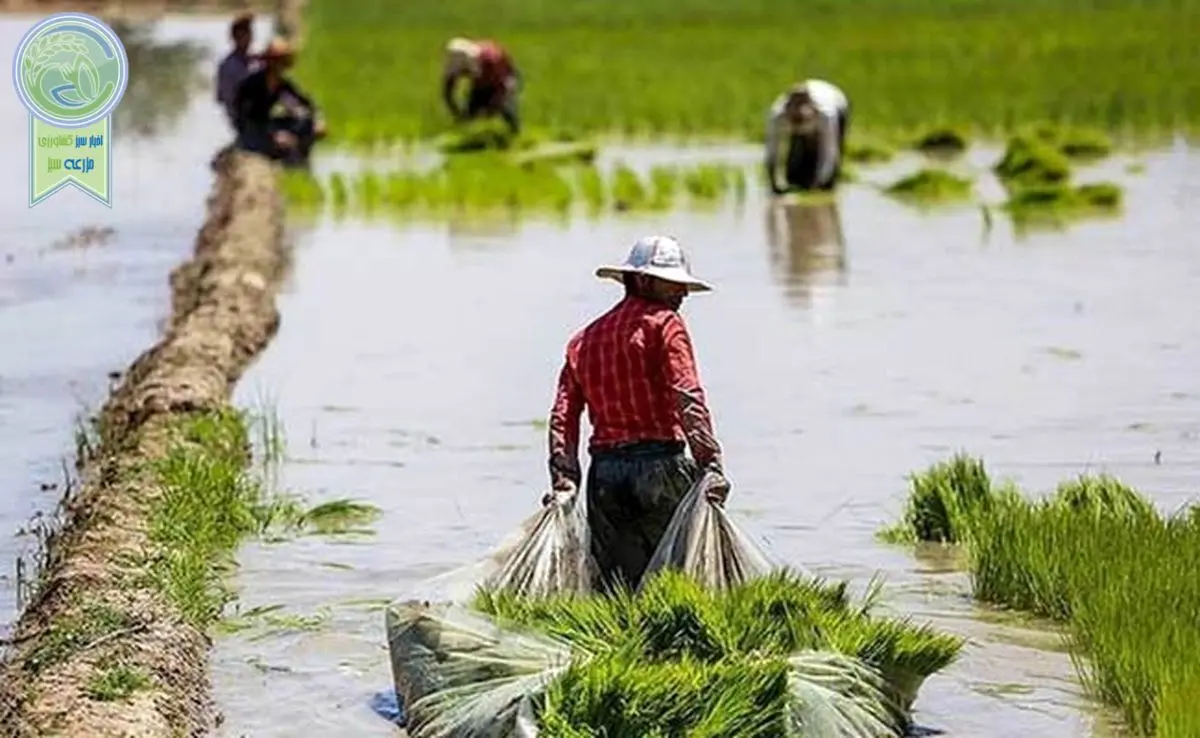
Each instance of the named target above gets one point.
<point>113,641</point>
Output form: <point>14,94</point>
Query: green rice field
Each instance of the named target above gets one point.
<point>706,68</point>
<point>1094,555</point>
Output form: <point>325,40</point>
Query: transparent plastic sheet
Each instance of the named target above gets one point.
<point>459,674</point>
<point>554,556</point>
<point>838,696</point>
<point>702,541</point>
<point>463,676</point>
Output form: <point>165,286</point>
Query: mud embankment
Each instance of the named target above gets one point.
<point>95,605</point>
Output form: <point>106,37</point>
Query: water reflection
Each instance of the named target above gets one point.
<point>806,241</point>
<point>163,76</point>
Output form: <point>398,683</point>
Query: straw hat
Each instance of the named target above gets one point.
<point>462,46</point>
<point>656,256</point>
<point>279,48</point>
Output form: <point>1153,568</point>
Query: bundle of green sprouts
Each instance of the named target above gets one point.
<point>780,655</point>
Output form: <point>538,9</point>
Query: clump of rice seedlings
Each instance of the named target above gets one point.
<point>664,184</point>
<point>339,516</point>
<point>1097,557</point>
<point>941,141</point>
<point>868,151</point>
<point>945,502</point>
<point>628,191</point>
<point>1102,495</point>
<point>1057,203</point>
<point>339,194</point>
<point>1031,161</point>
<point>669,644</point>
<point>621,696</point>
<point>591,187</point>
<point>707,182</point>
<point>931,186</point>
<point>1076,142</point>
<point>300,189</point>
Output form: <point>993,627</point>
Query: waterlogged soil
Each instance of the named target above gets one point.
<point>416,362</point>
<point>82,286</point>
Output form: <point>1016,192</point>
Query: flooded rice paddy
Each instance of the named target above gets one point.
<point>845,347</point>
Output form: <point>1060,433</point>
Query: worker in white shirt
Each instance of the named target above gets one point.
<point>813,116</point>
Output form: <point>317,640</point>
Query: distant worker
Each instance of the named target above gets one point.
<point>273,117</point>
<point>814,116</point>
<point>493,76</point>
<point>634,370</point>
<point>237,65</point>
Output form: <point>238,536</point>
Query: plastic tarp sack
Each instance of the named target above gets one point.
<point>456,672</point>
<point>703,542</point>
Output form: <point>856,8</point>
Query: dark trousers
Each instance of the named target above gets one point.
<point>492,99</point>
<point>260,139</point>
<point>632,492</point>
<point>803,154</point>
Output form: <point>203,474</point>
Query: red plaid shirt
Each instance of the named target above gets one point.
<point>635,371</point>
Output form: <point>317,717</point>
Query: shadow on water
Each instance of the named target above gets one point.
<point>163,77</point>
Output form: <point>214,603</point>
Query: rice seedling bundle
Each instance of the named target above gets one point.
<point>756,660</point>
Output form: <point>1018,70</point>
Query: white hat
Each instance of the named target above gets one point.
<point>656,256</point>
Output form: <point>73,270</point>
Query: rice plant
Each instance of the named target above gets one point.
<point>675,658</point>
<point>1098,557</point>
<point>696,67</point>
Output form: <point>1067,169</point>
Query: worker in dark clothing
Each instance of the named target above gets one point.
<point>237,65</point>
<point>273,116</point>
<point>634,370</point>
<point>494,81</point>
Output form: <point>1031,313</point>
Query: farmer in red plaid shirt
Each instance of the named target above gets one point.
<point>635,371</point>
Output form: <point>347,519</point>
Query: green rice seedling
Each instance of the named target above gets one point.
<point>1055,204</point>
<point>207,505</point>
<point>619,696</point>
<point>944,502</point>
<point>929,186</point>
<point>1076,142</point>
<point>337,516</point>
<point>1031,161</point>
<point>707,182</point>
<point>905,65</point>
<point>301,190</point>
<point>868,151</point>
<point>591,186</point>
<point>664,182</point>
<point>628,192</point>
<point>1098,558</point>
<point>339,195</point>
<point>941,141</point>
<point>1102,495</point>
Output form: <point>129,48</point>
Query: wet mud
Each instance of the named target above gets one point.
<point>223,314</point>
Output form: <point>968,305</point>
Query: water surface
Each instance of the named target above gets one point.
<point>73,310</point>
<point>415,362</point>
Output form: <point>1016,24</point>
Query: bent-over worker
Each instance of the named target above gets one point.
<point>634,370</point>
<point>813,116</point>
<point>237,65</point>
<point>273,116</point>
<point>493,76</point>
